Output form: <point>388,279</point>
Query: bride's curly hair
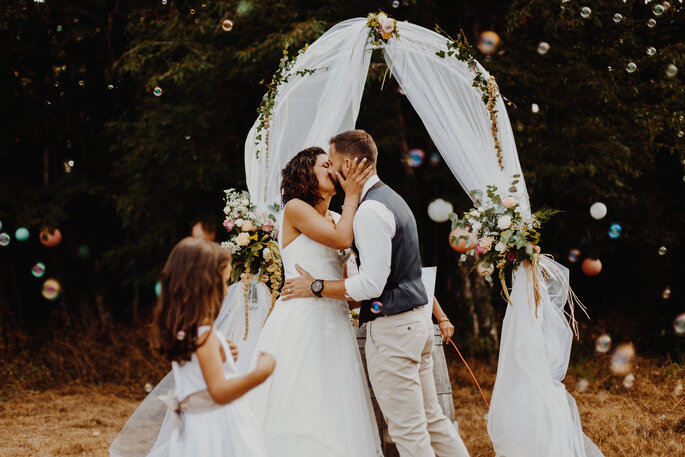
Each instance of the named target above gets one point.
<point>192,291</point>
<point>298,178</point>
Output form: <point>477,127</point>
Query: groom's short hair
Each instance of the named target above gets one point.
<point>356,143</point>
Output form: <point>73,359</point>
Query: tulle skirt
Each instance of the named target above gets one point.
<point>316,403</point>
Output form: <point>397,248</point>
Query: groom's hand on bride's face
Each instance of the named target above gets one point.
<point>298,287</point>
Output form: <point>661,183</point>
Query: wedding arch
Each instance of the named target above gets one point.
<point>319,95</point>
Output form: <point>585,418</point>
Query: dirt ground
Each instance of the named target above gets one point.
<point>647,420</point>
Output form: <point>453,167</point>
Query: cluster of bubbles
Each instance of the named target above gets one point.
<point>615,231</point>
<point>51,289</point>
<point>376,307</point>
<point>415,158</point>
<point>439,210</point>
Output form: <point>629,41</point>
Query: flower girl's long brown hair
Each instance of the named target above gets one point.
<point>192,292</point>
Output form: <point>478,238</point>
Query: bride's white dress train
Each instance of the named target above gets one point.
<point>316,403</point>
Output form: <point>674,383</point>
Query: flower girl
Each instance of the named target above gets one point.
<point>210,417</point>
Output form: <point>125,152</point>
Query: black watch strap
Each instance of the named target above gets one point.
<point>317,287</point>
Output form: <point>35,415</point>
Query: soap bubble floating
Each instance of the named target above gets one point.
<point>603,344</point>
<point>585,12</point>
<point>376,307</point>
<point>227,25</point>
<point>38,269</point>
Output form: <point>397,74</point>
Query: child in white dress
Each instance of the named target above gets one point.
<point>210,417</point>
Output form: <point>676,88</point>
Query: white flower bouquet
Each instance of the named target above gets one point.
<point>500,235</point>
<point>252,237</point>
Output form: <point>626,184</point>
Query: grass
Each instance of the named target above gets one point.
<point>83,418</point>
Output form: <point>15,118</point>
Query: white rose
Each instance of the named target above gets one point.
<point>500,247</point>
<point>381,18</point>
<point>504,222</point>
<point>227,210</point>
<point>239,223</point>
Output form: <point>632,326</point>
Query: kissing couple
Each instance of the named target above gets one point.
<point>317,403</point>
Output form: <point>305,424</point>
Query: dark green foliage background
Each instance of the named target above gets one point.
<point>146,167</point>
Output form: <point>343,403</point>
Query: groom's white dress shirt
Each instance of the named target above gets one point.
<point>374,227</point>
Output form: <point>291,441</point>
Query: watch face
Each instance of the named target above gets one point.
<point>317,286</point>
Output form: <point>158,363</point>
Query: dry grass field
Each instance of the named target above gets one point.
<point>647,420</point>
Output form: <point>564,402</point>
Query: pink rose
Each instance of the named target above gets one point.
<point>243,239</point>
<point>480,250</point>
<point>509,202</point>
<point>229,223</point>
<point>388,25</point>
<point>511,256</point>
<point>267,226</point>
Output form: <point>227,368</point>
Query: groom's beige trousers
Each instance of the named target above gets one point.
<point>398,356</point>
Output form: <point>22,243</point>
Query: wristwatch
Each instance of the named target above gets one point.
<point>317,287</point>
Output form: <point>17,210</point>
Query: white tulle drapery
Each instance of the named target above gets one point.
<point>531,413</point>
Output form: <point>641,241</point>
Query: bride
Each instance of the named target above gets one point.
<point>317,401</point>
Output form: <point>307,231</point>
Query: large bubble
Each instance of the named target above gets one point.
<point>622,359</point>
<point>603,344</point>
<point>51,289</point>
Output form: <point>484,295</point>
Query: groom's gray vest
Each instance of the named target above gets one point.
<point>404,289</point>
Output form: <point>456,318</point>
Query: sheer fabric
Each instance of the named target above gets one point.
<point>531,413</point>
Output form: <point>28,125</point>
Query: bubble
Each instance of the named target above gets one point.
<point>582,386</point>
<point>662,250</point>
<point>4,239</point>
<point>658,10</point>
<point>22,234</point>
<point>158,288</point>
<point>148,387</point>
<point>38,269</point>
<point>96,433</point>
<point>574,255</point>
<point>618,18</point>
<point>59,28</point>
<point>51,289</point>
<point>681,134</point>
<point>489,41</point>
<point>666,294</point>
<point>613,234</point>
<point>629,381</point>
<point>192,10</point>
<point>164,2</point>
<point>396,4</point>
<point>81,83</point>
<point>187,137</point>
<point>671,70</point>
<point>603,344</point>
<point>434,158</point>
<point>616,227</point>
<point>157,91</point>
<point>679,324</point>
<point>598,210</point>
<point>622,359</point>
<point>585,12</point>
<point>227,25</point>
<point>543,47</point>
<point>631,67</point>
<point>180,336</point>
<point>651,51</point>
<point>415,158</point>
<point>651,23</point>
<point>0,224</point>
<point>110,86</point>
<point>678,391</point>
<point>534,108</point>
<point>376,307</point>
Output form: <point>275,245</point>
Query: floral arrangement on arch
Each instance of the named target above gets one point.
<point>252,238</point>
<point>500,235</point>
<point>381,27</point>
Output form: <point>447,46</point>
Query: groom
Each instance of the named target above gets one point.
<point>399,338</point>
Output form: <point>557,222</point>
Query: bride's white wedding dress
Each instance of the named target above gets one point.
<point>316,403</point>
